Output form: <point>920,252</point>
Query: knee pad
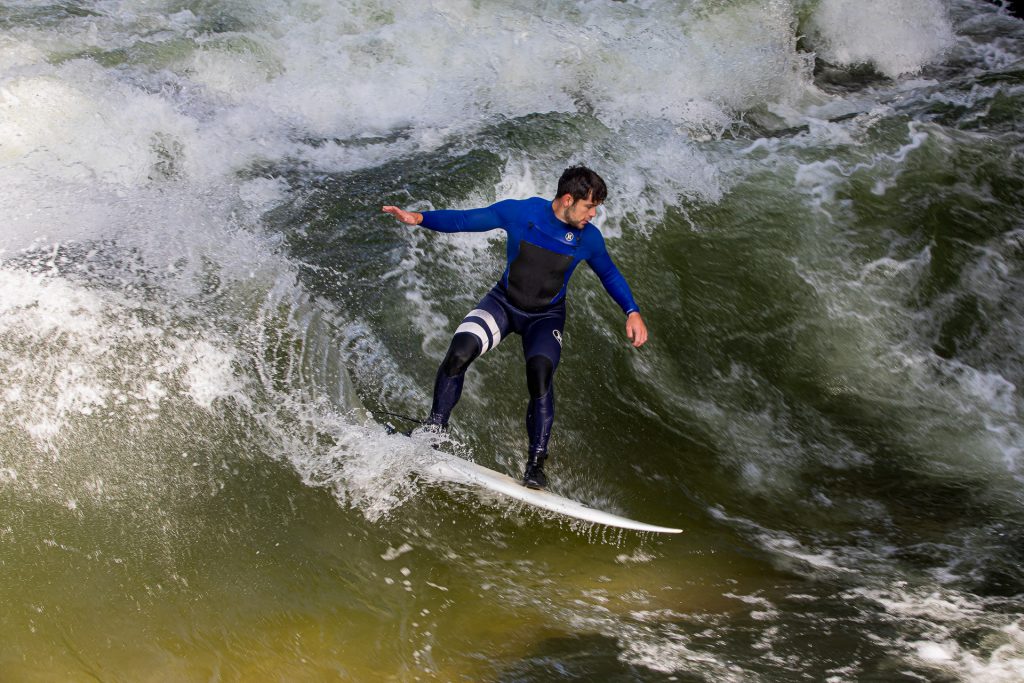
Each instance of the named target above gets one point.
<point>463,350</point>
<point>539,372</point>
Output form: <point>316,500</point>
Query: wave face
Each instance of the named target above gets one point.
<point>205,321</point>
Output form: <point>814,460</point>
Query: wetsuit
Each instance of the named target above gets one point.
<point>541,254</point>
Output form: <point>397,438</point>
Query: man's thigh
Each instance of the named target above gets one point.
<point>543,336</point>
<point>488,322</point>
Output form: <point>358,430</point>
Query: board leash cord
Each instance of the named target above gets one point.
<point>391,429</point>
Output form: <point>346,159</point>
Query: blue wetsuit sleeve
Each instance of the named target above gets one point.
<point>601,263</point>
<point>470,220</point>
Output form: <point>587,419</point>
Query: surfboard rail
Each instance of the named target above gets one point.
<point>453,468</point>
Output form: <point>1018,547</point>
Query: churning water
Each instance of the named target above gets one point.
<point>203,315</point>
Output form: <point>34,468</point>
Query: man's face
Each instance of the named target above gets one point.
<point>578,213</point>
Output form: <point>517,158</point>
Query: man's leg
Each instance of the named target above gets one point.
<point>464,349</point>
<point>480,331</point>
<point>540,412</point>
<point>542,346</point>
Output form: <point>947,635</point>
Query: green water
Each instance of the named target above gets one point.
<point>204,317</point>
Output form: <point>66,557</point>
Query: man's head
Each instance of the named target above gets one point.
<point>580,191</point>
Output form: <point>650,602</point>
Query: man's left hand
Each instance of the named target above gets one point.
<point>636,331</point>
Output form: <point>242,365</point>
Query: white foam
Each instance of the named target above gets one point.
<point>335,70</point>
<point>659,645</point>
<point>935,653</point>
<point>75,123</point>
<point>896,38</point>
<point>944,615</point>
<point>16,53</point>
<point>91,356</point>
<point>393,553</point>
<point>211,374</point>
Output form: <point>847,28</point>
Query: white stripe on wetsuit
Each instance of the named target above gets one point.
<point>478,331</point>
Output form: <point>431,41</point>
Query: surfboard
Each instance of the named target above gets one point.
<point>452,468</point>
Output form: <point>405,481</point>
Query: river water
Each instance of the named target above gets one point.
<point>203,316</point>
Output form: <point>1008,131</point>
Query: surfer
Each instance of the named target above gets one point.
<point>546,240</point>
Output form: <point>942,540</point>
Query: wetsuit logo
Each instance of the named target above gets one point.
<point>569,237</point>
<point>558,337</point>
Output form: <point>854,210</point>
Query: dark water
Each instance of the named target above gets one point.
<point>203,315</point>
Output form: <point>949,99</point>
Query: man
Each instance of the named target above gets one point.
<point>546,240</point>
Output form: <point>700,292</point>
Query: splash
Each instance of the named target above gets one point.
<point>895,38</point>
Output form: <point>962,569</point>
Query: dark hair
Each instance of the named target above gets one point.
<point>581,182</point>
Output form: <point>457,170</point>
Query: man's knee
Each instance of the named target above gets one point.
<point>463,350</point>
<point>539,373</point>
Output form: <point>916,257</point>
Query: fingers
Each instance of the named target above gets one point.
<point>636,332</point>
<point>399,214</point>
<point>407,217</point>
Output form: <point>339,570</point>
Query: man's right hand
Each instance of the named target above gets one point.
<point>636,330</point>
<point>407,217</point>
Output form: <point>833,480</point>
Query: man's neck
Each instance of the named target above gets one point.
<point>554,210</point>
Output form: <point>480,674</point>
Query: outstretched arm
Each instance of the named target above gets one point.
<point>471,220</point>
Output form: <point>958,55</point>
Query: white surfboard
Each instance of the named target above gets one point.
<point>452,468</point>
